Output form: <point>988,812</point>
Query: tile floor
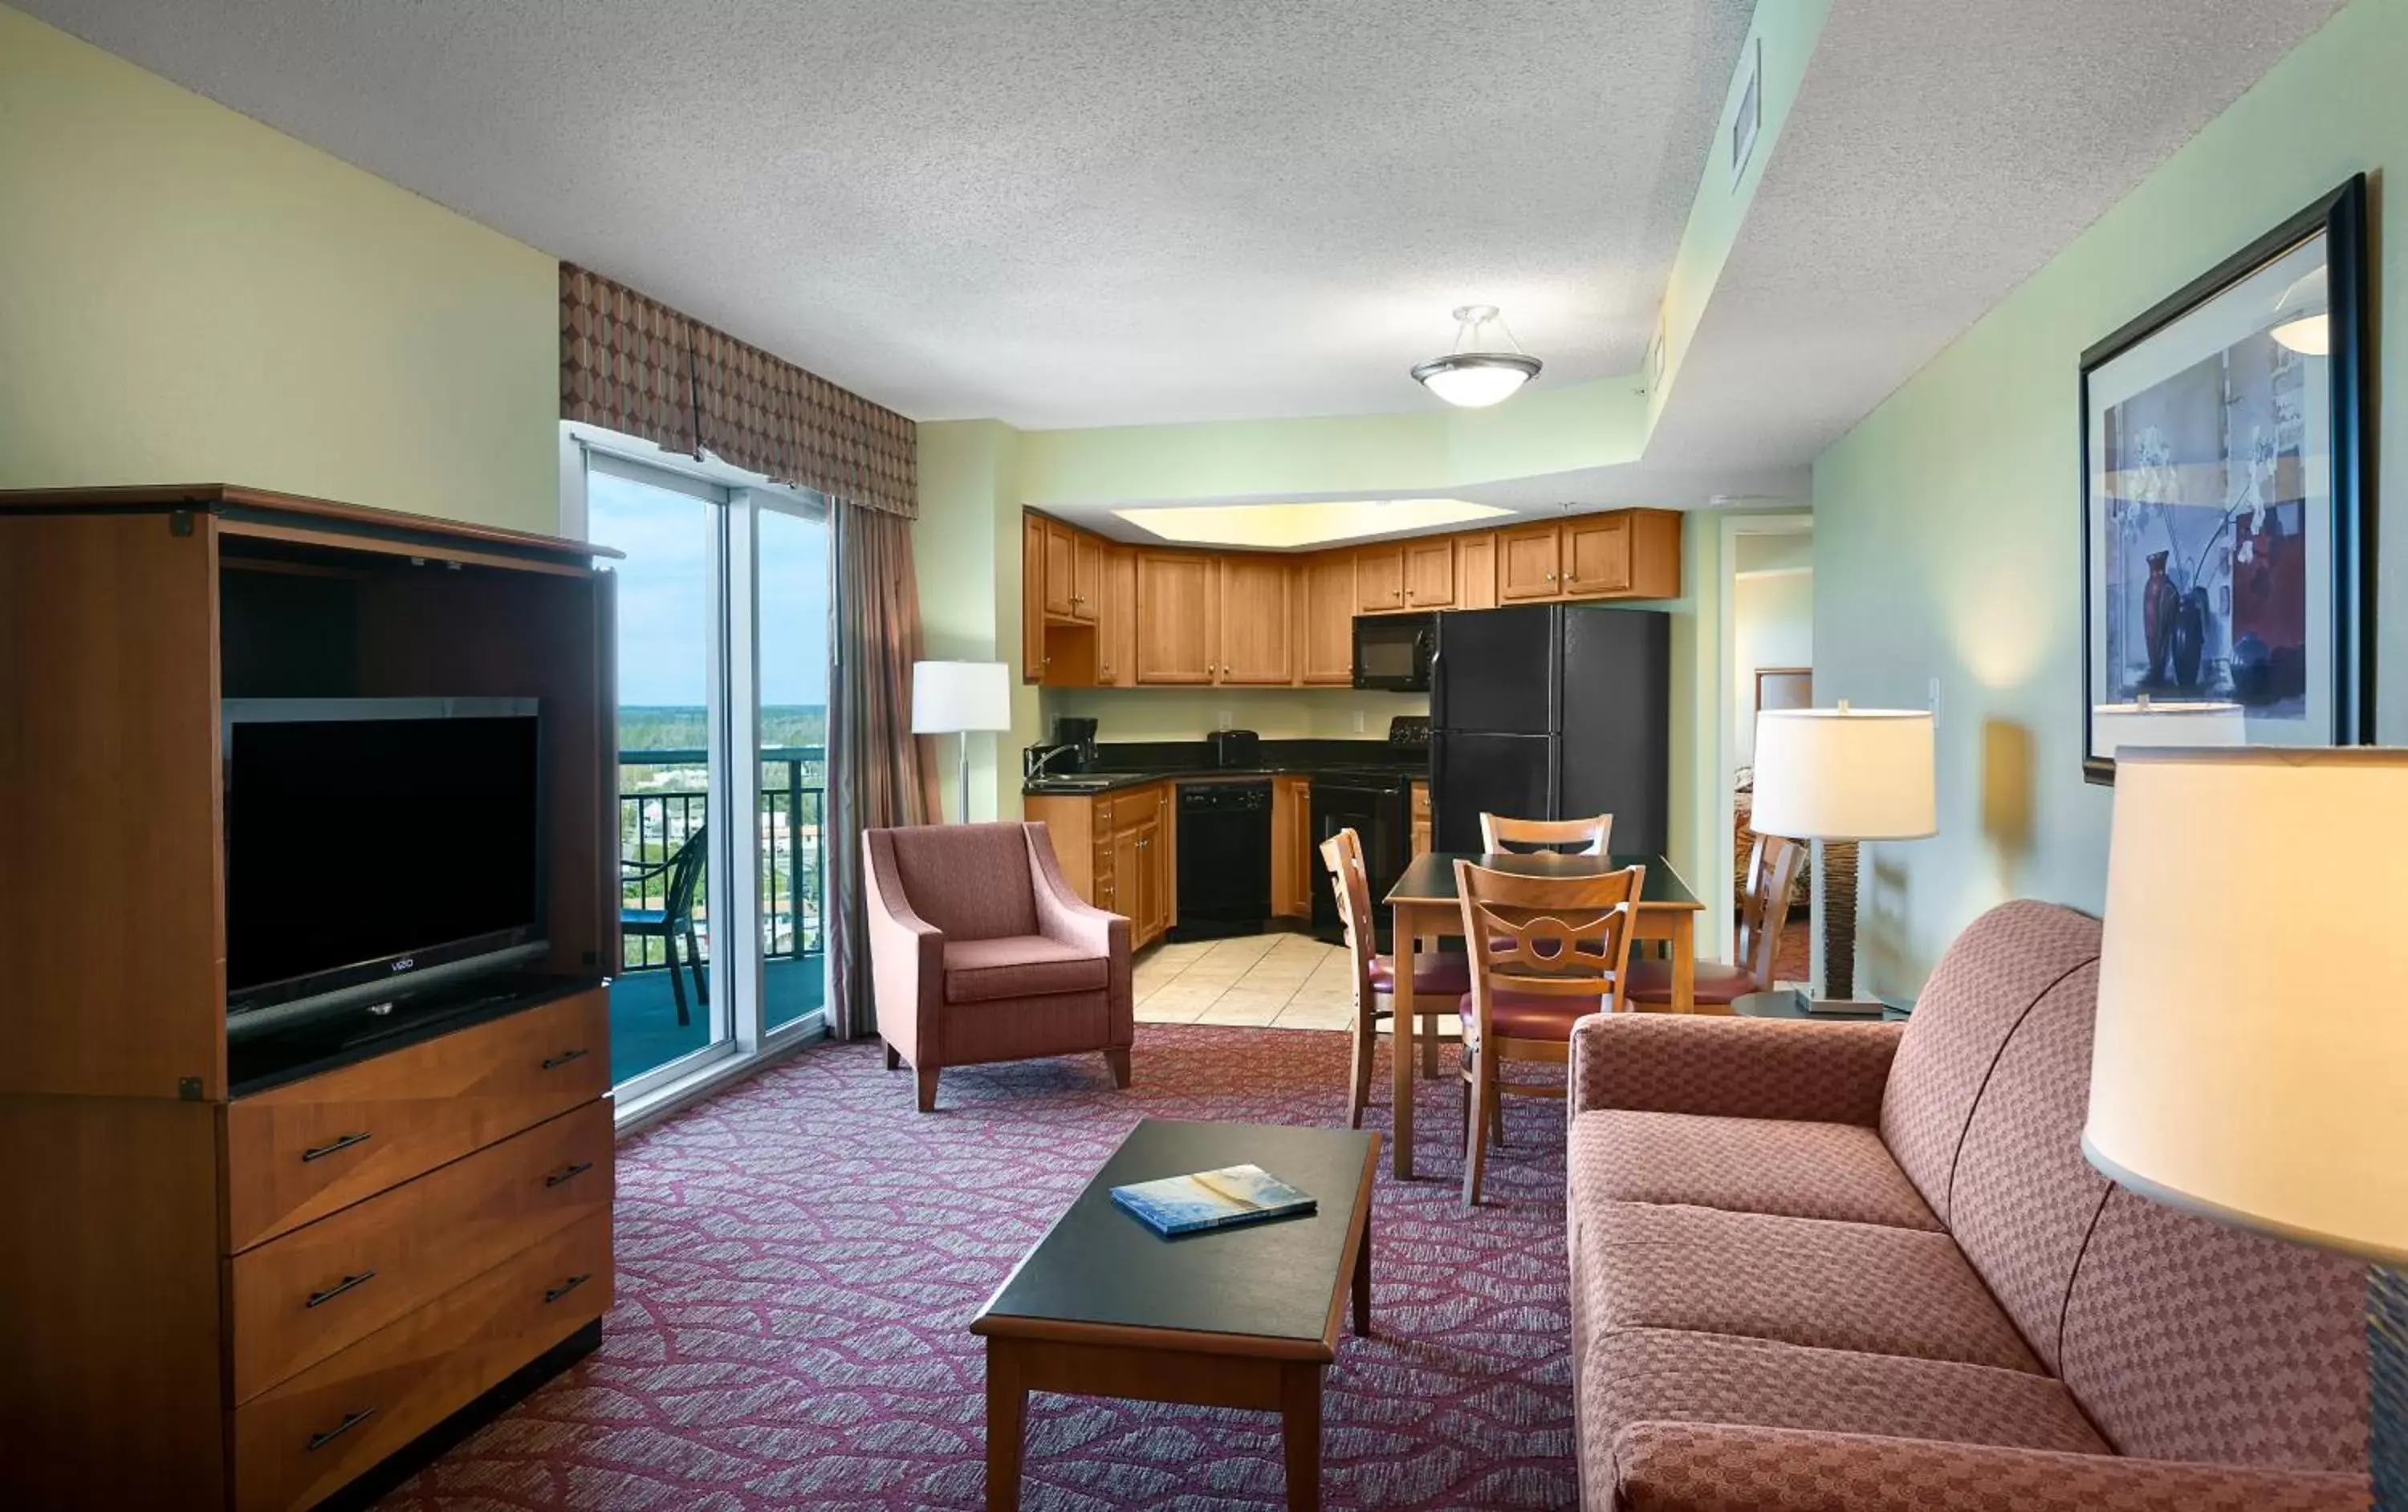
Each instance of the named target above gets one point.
<point>1278,981</point>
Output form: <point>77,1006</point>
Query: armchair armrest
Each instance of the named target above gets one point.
<point>906,957</point>
<point>1716,1467</point>
<point>1063,915</point>
<point>1746,1068</point>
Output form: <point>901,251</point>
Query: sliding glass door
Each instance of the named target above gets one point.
<point>722,657</point>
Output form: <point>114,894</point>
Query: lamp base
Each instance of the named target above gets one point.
<point>1841,1008</point>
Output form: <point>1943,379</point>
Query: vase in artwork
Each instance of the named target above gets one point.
<point>2189,637</point>
<point>2160,605</point>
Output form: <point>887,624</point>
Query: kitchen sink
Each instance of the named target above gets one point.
<point>1071,784</point>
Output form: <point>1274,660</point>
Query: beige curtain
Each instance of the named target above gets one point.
<point>880,774</point>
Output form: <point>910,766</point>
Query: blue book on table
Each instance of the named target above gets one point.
<point>1211,1200</point>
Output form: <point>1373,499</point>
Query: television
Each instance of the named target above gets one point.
<point>377,846</point>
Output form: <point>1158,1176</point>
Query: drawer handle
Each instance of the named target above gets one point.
<point>567,1173</point>
<point>340,1288</point>
<point>321,1151</point>
<point>554,1063</point>
<point>553,1294</point>
<point>351,1420</point>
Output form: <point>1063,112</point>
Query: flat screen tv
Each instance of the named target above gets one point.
<point>376,847</point>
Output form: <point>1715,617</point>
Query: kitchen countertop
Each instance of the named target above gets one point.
<point>1139,766</point>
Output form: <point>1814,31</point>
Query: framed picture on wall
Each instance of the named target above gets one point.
<point>2227,570</point>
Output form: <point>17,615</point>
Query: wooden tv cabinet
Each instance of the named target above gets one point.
<point>269,1278</point>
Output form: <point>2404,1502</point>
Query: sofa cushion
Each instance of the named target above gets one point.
<point>1443,974</point>
<point>971,881</point>
<point>1672,1375</point>
<point>1019,965</point>
<point>2023,1199</point>
<point>1991,975</point>
<point>1717,982</point>
<point>2186,1339</point>
<point>1748,1165</point>
<point>1794,1281</point>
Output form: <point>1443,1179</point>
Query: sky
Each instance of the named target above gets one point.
<point>664,595</point>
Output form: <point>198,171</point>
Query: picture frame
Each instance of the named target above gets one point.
<point>2227,558</point>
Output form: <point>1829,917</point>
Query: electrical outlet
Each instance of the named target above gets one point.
<point>1228,719</point>
<point>1358,721</point>
<point>1934,702</point>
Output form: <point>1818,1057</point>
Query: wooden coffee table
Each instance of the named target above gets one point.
<point>1237,1318</point>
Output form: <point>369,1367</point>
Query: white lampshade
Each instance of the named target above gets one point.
<point>951,698</point>
<point>2251,1059</point>
<point>1843,774</point>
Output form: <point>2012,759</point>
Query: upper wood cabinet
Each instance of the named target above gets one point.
<point>1176,618</point>
<point>1032,598</point>
<point>1254,620</point>
<point>1475,571</point>
<point>1116,619</point>
<point>1597,555</point>
<point>1529,563</point>
<point>1379,579</point>
<point>1325,587</point>
<point>1087,586</point>
<point>1429,573</point>
<point>1061,576</point>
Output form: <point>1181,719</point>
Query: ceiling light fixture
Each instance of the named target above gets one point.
<point>1475,379</point>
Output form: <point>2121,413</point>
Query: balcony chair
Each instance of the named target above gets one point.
<point>675,916</point>
<point>980,952</point>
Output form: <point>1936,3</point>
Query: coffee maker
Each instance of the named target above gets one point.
<point>1071,749</point>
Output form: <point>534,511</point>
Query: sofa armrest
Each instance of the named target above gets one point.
<point>907,960</point>
<point>1746,1068</point>
<point>1063,915</point>
<point>1716,1467</point>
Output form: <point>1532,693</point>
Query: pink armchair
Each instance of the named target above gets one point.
<point>979,951</point>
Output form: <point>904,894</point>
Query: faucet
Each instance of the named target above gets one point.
<point>1034,763</point>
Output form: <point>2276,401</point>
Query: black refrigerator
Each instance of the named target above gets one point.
<point>1551,711</point>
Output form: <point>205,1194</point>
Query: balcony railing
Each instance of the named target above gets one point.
<point>663,798</point>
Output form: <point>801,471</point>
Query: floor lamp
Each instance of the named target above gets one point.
<point>955,698</point>
<point>1843,774</point>
<point>2261,1086</point>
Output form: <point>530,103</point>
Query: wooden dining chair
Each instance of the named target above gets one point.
<point>1499,834</point>
<point>1773,869</point>
<point>1553,951</point>
<point>1437,979</point>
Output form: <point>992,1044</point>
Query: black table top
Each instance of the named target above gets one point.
<point>1430,876</point>
<point>1277,1281</point>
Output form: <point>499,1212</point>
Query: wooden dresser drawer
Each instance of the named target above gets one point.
<point>301,1441</point>
<point>299,1298</point>
<point>298,1152</point>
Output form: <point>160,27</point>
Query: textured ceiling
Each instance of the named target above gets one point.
<point>1938,154</point>
<point>1057,212</point>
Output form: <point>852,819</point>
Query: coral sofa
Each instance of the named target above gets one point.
<point>1855,1267</point>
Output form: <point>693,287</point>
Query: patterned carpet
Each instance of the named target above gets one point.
<point>798,1261</point>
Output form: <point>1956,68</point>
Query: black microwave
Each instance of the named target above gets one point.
<point>1394,651</point>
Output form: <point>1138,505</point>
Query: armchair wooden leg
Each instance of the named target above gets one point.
<point>1118,1059</point>
<point>926,1077</point>
<point>894,1058</point>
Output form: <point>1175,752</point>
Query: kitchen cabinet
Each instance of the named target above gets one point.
<point>1059,582</point>
<point>1429,573</point>
<point>1596,555</point>
<point>1253,624</point>
<point>1293,865</point>
<point>1475,571</point>
<point>1529,563</point>
<point>1325,587</point>
<point>1116,622</point>
<point>1032,598</point>
<point>1379,579</point>
<point>1118,851</point>
<point>1176,640</point>
<point>1421,820</point>
<point>1087,586</point>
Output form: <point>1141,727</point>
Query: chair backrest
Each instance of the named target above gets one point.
<point>685,870</point>
<point>971,881</point>
<point>1571,837</point>
<point>1558,936</point>
<point>1341,855</point>
<point>1772,869</point>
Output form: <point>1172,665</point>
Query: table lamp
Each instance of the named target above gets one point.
<point>1843,774</point>
<point>2258,1081</point>
<point>957,698</point>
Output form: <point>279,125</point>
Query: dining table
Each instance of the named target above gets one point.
<point>1424,906</point>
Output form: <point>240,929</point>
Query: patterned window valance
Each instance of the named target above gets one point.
<point>634,365</point>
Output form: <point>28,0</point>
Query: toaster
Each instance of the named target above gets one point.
<point>1235,748</point>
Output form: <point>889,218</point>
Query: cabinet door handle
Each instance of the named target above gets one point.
<point>320,1152</point>
<point>553,1294</point>
<point>567,1173</point>
<point>351,1420</point>
<point>340,1287</point>
<point>553,1062</point>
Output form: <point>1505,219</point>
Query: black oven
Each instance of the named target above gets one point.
<point>1393,652</point>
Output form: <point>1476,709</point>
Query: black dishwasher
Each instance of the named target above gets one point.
<point>1225,860</point>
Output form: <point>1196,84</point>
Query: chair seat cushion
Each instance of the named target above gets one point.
<point>1793,1280</point>
<point>1651,981</point>
<point>1446,974</point>
<point>1670,1375</point>
<point>1019,965</point>
<point>643,917</point>
<point>1795,1169</point>
<point>1532,1014</point>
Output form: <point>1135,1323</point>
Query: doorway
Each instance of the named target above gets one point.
<point>1768,663</point>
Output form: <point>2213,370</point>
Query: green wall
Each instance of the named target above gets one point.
<point>188,296</point>
<point>1947,522</point>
